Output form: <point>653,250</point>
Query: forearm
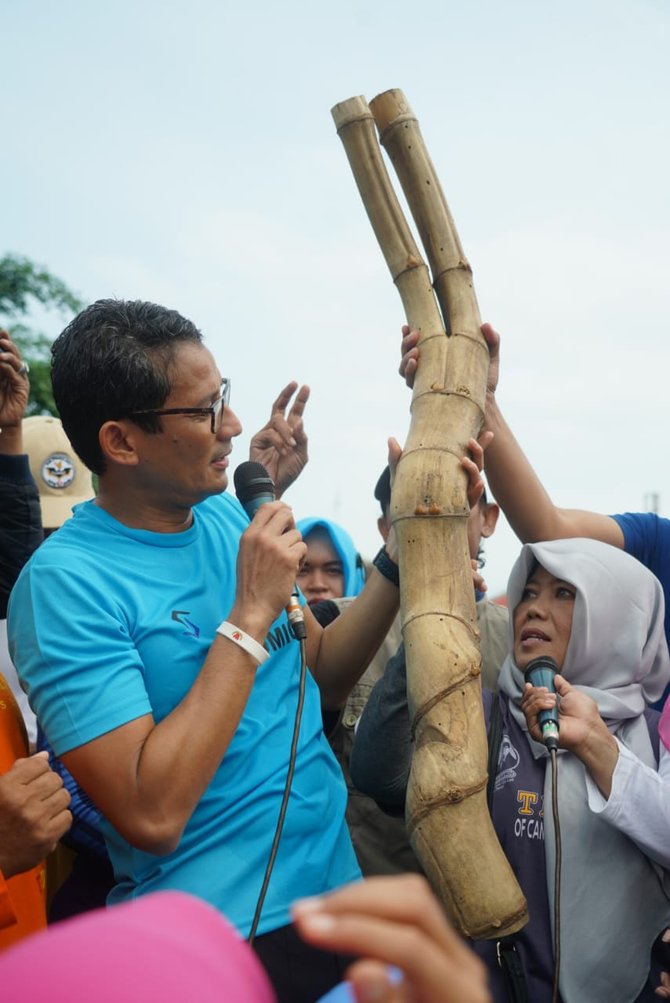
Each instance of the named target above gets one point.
<point>147,778</point>
<point>180,756</point>
<point>21,523</point>
<point>11,440</point>
<point>639,804</point>
<point>599,754</point>
<point>524,500</point>
<point>382,753</point>
<point>339,654</point>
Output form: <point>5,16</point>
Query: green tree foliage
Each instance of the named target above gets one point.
<point>23,285</point>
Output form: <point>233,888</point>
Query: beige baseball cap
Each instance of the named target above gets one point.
<point>61,477</point>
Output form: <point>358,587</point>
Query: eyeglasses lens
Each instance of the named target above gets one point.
<point>219,405</point>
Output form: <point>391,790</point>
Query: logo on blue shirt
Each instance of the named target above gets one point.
<point>180,615</point>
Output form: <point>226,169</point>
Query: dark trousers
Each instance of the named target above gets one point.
<point>85,888</point>
<point>298,972</point>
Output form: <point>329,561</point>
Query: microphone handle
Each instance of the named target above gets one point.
<point>548,717</point>
<point>541,672</point>
<point>296,617</point>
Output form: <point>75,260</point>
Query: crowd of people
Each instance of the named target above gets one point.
<point>180,802</point>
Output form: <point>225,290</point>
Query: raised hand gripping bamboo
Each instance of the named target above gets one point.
<point>448,820</point>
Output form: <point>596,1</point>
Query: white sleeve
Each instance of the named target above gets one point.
<point>639,803</point>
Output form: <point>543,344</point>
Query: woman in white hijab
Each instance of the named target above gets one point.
<point>599,614</point>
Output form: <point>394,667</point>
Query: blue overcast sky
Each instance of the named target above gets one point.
<point>185,153</point>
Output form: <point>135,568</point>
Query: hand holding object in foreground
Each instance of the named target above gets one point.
<point>33,813</point>
<point>394,921</point>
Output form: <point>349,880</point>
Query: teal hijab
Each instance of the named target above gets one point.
<point>343,545</point>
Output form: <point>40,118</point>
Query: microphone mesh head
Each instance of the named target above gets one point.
<point>252,479</point>
<point>544,663</point>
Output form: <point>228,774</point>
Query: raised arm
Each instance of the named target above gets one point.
<point>339,653</point>
<point>515,485</point>
<point>517,488</point>
<point>20,516</point>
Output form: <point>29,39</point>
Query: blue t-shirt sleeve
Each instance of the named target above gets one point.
<point>76,658</point>
<point>647,538</point>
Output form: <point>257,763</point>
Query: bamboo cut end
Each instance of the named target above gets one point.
<point>352,110</point>
<point>389,107</point>
<point>499,928</point>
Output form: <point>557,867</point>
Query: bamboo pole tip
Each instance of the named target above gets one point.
<point>389,106</point>
<point>352,110</point>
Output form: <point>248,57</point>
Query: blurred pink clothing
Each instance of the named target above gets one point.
<point>664,725</point>
<point>168,946</point>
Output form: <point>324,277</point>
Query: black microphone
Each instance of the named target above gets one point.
<point>541,672</point>
<point>254,487</point>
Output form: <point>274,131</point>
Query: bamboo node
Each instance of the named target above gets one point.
<point>463,265</point>
<point>471,674</point>
<point>411,265</point>
<point>447,615</point>
<point>448,799</point>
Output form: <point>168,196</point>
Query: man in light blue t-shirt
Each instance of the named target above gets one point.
<point>150,632</point>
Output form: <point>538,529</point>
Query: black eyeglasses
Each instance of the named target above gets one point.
<point>215,410</point>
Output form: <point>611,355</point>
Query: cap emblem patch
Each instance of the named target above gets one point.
<point>58,471</point>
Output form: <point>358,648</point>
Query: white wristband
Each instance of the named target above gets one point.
<point>242,640</point>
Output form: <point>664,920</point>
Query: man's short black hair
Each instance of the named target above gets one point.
<point>383,490</point>
<point>112,359</point>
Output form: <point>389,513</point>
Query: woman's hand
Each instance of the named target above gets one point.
<point>14,388</point>
<point>409,356</point>
<point>473,464</point>
<point>581,730</point>
<point>664,989</point>
<point>394,454</point>
<point>578,715</point>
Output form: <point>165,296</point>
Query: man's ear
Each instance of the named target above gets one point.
<point>490,513</point>
<point>383,527</point>
<point>118,443</point>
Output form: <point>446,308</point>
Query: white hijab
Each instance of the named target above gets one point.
<point>613,901</point>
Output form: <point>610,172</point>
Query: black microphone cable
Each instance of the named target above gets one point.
<point>254,487</point>
<point>557,874</point>
<point>287,791</point>
<point>541,672</point>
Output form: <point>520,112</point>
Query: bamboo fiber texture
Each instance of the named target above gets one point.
<point>447,816</point>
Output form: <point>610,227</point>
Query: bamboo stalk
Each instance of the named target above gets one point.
<point>448,820</point>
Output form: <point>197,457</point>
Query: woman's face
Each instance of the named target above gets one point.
<point>543,619</point>
<point>321,575</point>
